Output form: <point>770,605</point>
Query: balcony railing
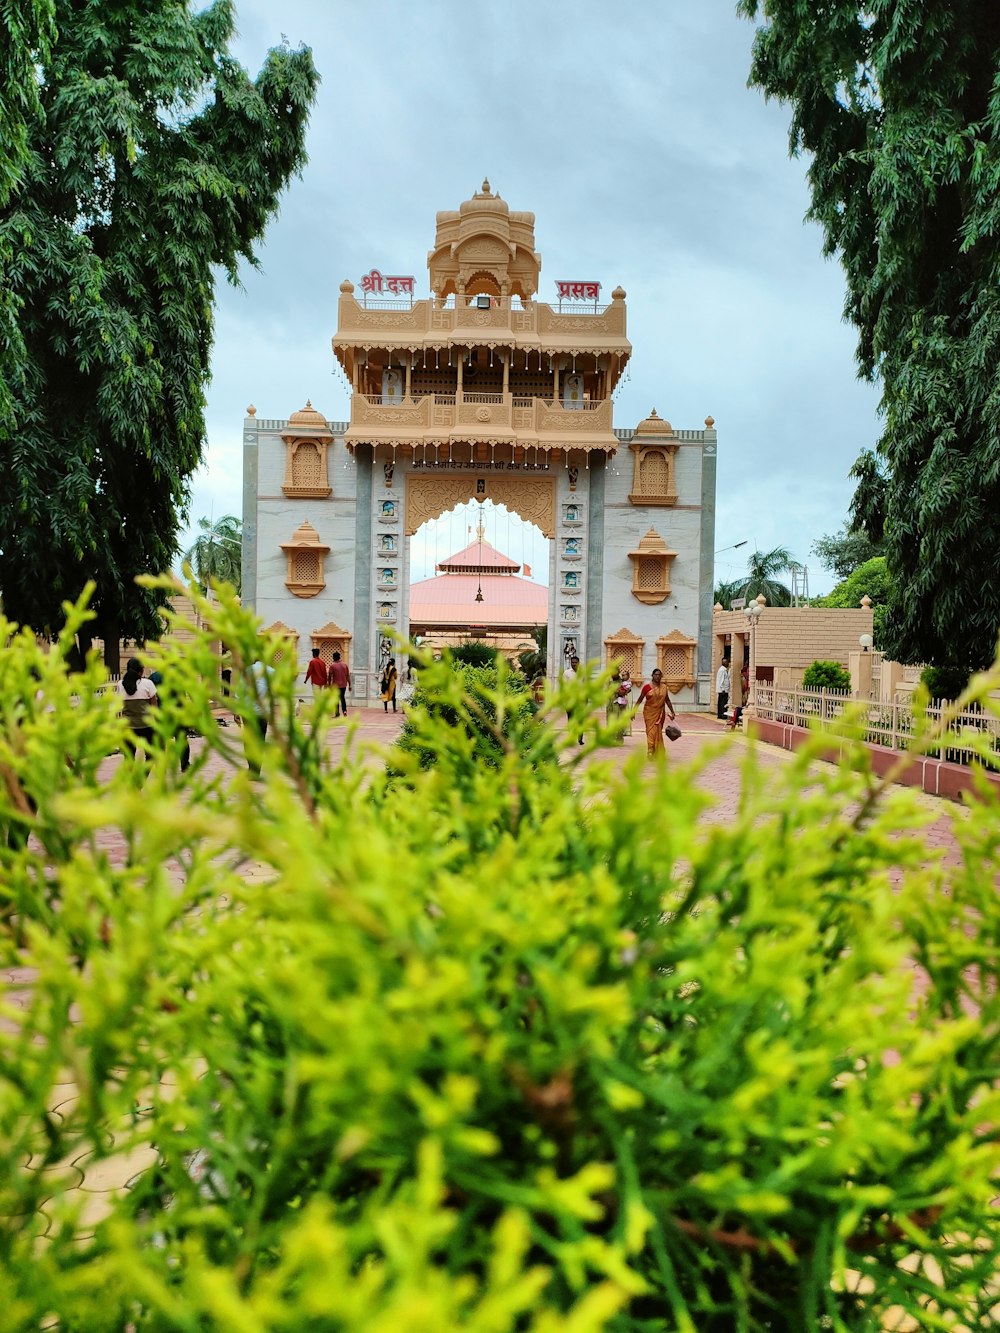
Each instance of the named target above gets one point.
<point>539,422</point>
<point>381,321</point>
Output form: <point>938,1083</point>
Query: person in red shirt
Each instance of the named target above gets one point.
<point>316,672</point>
<point>339,677</point>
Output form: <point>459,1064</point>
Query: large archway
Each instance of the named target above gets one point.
<point>532,497</point>
<point>479,572</point>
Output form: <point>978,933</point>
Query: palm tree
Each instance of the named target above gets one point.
<point>762,567</point>
<point>217,552</point>
<point>728,591</point>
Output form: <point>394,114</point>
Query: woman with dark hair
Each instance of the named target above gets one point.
<point>387,685</point>
<point>138,697</point>
<point>655,699</point>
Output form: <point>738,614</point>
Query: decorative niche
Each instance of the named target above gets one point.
<point>624,649</point>
<point>307,438</point>
<point>332,639</point>
<point>675,658</point>
<point>289,645</point>
<point>654,463</point>
<point>305,554</point>
<point>651,569</point>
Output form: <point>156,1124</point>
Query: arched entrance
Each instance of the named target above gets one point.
<point>428,495</point>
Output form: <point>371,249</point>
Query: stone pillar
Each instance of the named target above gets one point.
<point>248,555</point>
<point>594,610</point>
<point>362,642</point>
<point>706,560</point>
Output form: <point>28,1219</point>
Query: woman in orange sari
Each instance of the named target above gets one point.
<point>655,701</point>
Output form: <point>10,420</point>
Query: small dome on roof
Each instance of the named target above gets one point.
<point>307,422</point>
<point>347,286</point>
<point>307,416</point>
<point>618,294</point>
<point>654,425</point>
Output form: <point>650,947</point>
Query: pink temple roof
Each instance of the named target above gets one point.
<point>450,599</point>
<point>480,555</point>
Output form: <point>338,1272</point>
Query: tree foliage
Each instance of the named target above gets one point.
<point>152,159</point>
<point>464,1047</point>
<point>844,551</point>
<point>217,552</point>
<point>822,675</point>
<point>763,567</point>
<point>897,103</point>
<point>869,580</point>
<point>473,653</point>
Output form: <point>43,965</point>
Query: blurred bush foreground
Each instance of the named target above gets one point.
<point>497,1039</point>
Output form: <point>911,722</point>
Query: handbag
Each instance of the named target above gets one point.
<point>672,731</point>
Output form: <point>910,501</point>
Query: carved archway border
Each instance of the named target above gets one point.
<point>532,498</point>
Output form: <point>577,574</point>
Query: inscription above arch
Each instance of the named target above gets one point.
<point>533,498</point>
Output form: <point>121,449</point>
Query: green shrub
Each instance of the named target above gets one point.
<point>474,654</point>
<point>524,1045</point>
<point>826,676</point>
<point>492,706</point>
<point>944,682</point>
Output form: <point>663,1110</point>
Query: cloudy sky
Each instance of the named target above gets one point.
<point>630,132</point>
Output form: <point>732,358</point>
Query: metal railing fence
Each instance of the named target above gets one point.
<point>890,724</point>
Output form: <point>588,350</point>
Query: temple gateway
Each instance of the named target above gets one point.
<point>483,392</point>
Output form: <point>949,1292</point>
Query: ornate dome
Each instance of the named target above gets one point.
<point>307,421</point>
<point>654,425</point>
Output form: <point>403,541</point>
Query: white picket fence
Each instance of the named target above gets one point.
<point>890,724</point>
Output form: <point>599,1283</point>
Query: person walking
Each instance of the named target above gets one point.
<point>387,684</point>
<point>316,674</point>
<point>570,673</point>
<point>655,699</point>
<point>723,685</point>
<point>339,679</point>
<point>138,696</point>
<point>621,703</point>
<point>164,700</point>
<point>256,718</point>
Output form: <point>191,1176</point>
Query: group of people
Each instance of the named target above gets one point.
<point>654,698</point>
<point>336,676</point>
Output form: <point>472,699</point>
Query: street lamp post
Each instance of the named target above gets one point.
<point>753,614</point>
<point>865,666</point>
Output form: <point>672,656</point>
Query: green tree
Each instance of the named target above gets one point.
<point>844,551</point>
<point>533,661</point>
<point>28,28</point>
<point>762,568</point>
<point>152,160</point>
<point>897,103</point>
<point>870,498</point>
<point>869,580</point>
<point>473,653</point>
<point>217,551</point>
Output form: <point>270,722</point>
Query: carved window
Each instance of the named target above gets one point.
<point>305,567</point>
<point>332,639</point>
<point>624,650</point>
<point>651,569</point>
<point>304,554</point>
<point>307,438</point>
<point>654,476</point>
<point>675,658</point>
<point>288,641</point>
